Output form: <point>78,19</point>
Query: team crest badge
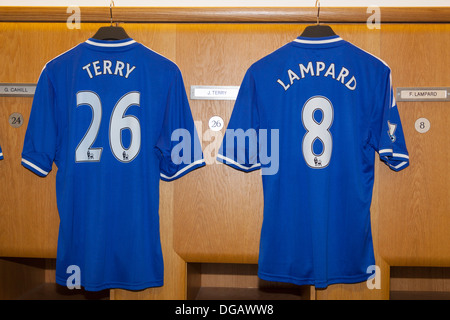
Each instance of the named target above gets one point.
<point>391,131</point>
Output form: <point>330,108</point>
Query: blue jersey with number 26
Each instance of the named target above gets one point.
<point>104,113</point>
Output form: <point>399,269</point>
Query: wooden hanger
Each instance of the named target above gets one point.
<point>111,32</point>
<point>318,30</point>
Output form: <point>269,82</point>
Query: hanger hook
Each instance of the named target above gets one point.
<point>318,10</point>
<point>110,11</point>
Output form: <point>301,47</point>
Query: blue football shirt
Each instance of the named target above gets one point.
<point>114,118</point>
<point>311,116</point>
<point>1,154</point>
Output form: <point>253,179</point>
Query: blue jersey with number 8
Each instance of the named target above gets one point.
<point>311,115</point>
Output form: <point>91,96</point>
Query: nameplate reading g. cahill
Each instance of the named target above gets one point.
<point>17,89</point>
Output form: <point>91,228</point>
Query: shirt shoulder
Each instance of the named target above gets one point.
<point>367,57</point>
<point>157,59</point>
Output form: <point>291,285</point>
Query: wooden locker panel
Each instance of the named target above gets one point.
<point>29,219</point>
<point>28,215</point>
<point>415,203</point>
<point>220,222</point>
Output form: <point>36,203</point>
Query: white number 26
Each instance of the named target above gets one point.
<point>85,152</point>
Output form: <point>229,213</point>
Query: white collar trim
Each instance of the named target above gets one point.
<point>116,44</point>
<point>318,41</point>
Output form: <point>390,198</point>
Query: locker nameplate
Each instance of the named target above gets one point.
<point>17,89</point>
<point>214,92</point>
<point>423,94</point>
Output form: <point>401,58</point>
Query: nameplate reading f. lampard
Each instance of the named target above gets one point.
<point>423,94</point>
<point>17,89</point>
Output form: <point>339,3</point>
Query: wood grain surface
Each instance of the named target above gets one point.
<point>226,14</point>
<point>415,205</point>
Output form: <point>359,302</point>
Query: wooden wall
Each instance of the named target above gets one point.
<point>214,215</point>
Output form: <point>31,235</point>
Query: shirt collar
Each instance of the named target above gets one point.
<point>110,43</point>
<point>321,40</point>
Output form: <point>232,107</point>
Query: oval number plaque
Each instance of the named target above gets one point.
<point>15,120</point>
<point>422,125</point>
<point>215,123</point>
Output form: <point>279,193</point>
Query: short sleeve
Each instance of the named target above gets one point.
<point>39,148</point>
<point>178,146</point>
<point>240,144</point>
<point>387,132</point>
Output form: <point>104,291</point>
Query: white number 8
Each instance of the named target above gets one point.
<point>317,130</point>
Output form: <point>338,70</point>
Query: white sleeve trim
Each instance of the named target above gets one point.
<point>399,165</point>
<point>385,151</point>
<point>400,155</point>
<point>182,170</point>
<point>391,152</point>
<point>35,167</point>
<point>238,164</point>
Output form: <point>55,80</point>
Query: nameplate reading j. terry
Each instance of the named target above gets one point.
<point>214,92</point>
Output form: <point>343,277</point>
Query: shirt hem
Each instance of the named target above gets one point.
<point>235,165</point>
<point>195,165</point>
<point>317,283</point>
<point>115,285</point>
